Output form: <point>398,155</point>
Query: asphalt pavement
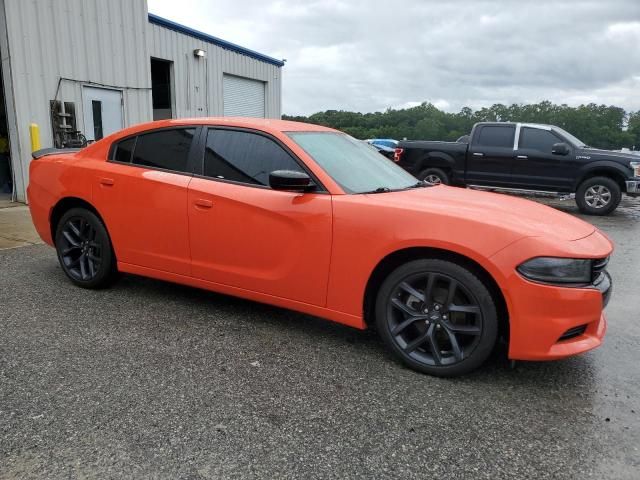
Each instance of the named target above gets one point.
<point>149,379</point>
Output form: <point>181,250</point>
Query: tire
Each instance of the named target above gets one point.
<point>434,176</point>
<point>598,196</point>
<point>84,249</point>
<point>463,325</point>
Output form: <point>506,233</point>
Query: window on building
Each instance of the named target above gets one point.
<point>96,106</point>
<point>244,157</point>
<point>537,139</point>
<point>497,136</point>
<point>167,149</point>
<point>123,150</point>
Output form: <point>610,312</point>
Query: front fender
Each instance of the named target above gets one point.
<point>602,167</point>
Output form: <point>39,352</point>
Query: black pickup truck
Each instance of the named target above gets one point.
<point>526,158</point>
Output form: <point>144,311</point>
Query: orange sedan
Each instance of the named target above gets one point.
<point>308,218</point>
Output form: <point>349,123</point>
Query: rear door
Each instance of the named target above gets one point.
<point>246,235</point>
<point>141,193</point>
<point>536,167</point>
<point>490,155</point>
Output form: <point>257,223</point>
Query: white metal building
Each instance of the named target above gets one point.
<point>92,67</point>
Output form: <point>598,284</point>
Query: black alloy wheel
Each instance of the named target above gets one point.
<point>437,317</point>
<point>84,249</point>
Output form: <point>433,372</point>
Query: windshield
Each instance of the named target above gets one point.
<point>356,167</point>
<point>575,141</point>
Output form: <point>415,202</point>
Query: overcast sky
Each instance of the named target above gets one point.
<point>371,55</point>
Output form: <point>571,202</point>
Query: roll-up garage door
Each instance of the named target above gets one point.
<point>243,97</point>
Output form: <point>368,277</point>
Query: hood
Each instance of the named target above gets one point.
<point>524,217</point>
<point>597,154</point>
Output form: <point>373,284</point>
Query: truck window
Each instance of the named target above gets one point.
<point>497,136</point>
<point>537,139</point>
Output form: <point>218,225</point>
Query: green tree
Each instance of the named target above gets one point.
<point>601,126</point>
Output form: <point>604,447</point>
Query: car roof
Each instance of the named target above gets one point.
<point>266,124</point>
<point>542,126</point>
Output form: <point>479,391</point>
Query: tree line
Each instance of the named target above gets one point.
<point>600,126</point>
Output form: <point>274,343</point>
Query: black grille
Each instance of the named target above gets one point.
<point>573,333</point>
<point>597,267</point>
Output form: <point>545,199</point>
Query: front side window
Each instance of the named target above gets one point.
<point>538,139</point>
<point>353,164</point>
<point>497,136</point>
<point>166,149</point>
<point>244,157</point>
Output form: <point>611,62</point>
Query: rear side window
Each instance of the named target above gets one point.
<point>244,157</point>
<point>537,139</point>
<point>497,136</point>
<point>123,150</point>
<point>166,149</point>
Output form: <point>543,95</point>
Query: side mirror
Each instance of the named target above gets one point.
<point>560,149</point>
<point>290,180</point>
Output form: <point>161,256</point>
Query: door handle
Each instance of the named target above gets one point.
<point>478,154</point>
<point>202,203</point>
<point>107,182</point>
<point>523,157</point>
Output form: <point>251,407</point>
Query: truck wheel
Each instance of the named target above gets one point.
<point>435,176</point>
<point>598,196</point>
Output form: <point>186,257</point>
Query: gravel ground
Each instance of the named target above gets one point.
<point>149,379</point>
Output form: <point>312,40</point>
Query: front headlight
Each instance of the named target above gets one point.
<point>635,166</point>
<point>557,270</point>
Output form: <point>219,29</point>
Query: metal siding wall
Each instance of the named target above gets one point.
<point>86,40</point>
<point>194,96</point>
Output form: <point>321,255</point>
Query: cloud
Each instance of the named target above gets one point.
<point>372,55</point>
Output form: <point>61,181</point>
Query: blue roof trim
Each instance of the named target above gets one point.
<point>163,22</point>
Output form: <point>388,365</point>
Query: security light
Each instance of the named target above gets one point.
<point>198,52</point>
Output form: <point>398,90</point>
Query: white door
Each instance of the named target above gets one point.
<point>243,97</point>
<point>102,108</point>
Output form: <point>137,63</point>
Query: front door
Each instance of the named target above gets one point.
<point>246,235</point>
<point>490,156</point>
<point>102,108</point>
<point>536,167</point>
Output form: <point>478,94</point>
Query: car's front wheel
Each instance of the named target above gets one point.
<point>84,249</point>
<point>437,317</point>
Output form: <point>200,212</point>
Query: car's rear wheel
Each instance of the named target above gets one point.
<point>437,317</point>
<point>435,176</point>
<point>84,249</point>
<point>598,196</point>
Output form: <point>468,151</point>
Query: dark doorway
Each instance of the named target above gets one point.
<point>6,178</point>
<point>161,89</point>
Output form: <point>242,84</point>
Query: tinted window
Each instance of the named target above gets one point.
<point>124,149</point>
<point>537,139</point>
<point>244,157</point>
<point>496,136</point>
<point>166,149</point>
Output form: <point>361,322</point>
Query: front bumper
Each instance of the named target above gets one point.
<point>549,322</point>
<point>633,187</point>
<point>556,322</point>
